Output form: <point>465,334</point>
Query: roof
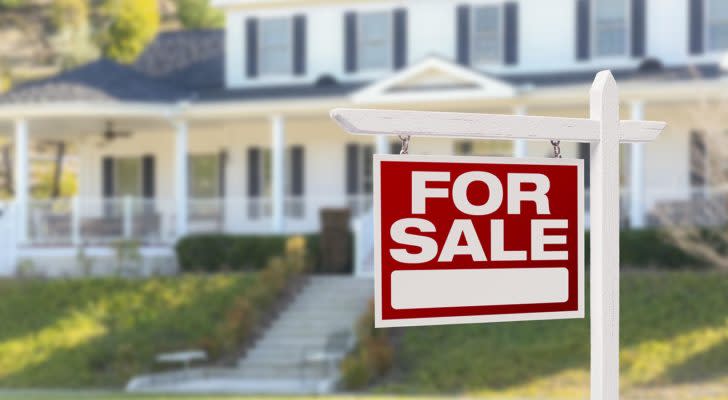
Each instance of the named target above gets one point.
<point>189,59</point>
<point>654,74</point>
<point>98,81</point>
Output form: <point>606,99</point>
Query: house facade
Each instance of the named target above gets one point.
<point>228,130</point>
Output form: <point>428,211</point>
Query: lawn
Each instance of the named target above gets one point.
<point>674,333</point>
<point>74,333</point>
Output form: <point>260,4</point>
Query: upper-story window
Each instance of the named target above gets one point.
<point>486,34</point>
<point>374,40</point>
<point>717,24</point>
<point>275,46</point>
<point>610,27</point>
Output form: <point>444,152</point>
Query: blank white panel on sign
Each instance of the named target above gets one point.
<point>413,289</point>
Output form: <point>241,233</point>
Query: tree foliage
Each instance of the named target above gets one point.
<point>197,14</point>
<point>127,27</point>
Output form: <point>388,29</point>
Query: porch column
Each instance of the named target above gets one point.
<point>278,141</point>
<point>21,178</point>
<point>180,177</point>
<point>520,148</point>
<point>382,144</point>
<point>637,173</point>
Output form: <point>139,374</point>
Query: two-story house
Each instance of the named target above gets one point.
<point>229,130</point>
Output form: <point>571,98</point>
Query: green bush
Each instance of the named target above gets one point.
<point>220,252</point>
<point>651,247</point>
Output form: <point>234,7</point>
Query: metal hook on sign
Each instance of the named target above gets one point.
<point>405,144</point>
<point>557,148</point>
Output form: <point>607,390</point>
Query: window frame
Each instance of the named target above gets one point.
<point>216,158</point>
<point>259,48</point>
<point>140,176</point>
<point>594,38</point>
<point>389,62</point>
<point>706,29</point>
<point>499,40</point>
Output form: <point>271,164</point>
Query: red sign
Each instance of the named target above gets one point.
<point>477,239</point>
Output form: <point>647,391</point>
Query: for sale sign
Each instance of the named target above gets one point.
<point>477,239</point>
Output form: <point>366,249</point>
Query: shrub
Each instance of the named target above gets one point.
<point>650,247</point>
<point>373,356</point>
<point>218,252</point>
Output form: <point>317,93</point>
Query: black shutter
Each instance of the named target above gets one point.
<point>297,171</point>
<point>695,22</point>
<point>462,24</point>
<point>352,169</point>
<point>107,176</point>
<point>254,161</point>
<point>251,47</point>
<point>148,176</point>
<point>299,48</point>
<point>638,28</point>
<point>583,31</point>
<point>222,172</point>
<point>350,42</point>
<point>511,33</point>
<point>400,38</point>
<point>584,150</point>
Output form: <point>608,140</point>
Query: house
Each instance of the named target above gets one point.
<point>229,131</point>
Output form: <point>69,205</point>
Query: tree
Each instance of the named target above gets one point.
<point>127,27</point>
<point>197,14</point>
<point>72,39</point>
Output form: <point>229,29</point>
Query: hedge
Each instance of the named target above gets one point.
<point>222,252</point>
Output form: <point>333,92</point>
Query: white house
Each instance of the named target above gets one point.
<point>229,130</point>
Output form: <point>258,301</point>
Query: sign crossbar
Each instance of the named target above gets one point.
<point>604,131</point>
<point>486,126</point>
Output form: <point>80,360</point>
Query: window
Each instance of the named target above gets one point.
<point>275,46</point>
<point>484,147</point>
<point>717,24</point>
<point>204,176</point>
<point>128,176</point>
<point>374,40</point>
<point>486,34</point>
<point>610,27</point>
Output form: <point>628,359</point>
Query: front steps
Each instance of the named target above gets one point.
<point>327,304</point>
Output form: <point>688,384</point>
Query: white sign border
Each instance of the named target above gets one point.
<point>471,319</point>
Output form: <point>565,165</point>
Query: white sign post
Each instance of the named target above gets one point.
<point>604,131</point>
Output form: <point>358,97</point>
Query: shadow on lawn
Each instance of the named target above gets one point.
<point>710,364</point>
<point>655,306</point>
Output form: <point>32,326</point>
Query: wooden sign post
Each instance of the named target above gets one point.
<point>604,131</point>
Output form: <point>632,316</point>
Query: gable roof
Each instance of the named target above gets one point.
<point>99,81</point>
<point>189,59</point>
<point>434,78</point>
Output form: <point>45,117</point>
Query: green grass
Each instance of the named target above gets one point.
<point>99,332</point>
<point>674,331</point>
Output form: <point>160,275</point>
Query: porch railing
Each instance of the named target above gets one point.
<point>102,221</point>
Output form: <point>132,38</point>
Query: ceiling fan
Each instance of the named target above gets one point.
<point>110,134</point>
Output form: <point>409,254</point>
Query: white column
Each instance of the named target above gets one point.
<point>278,141</point>
<point>180,177</point>
<point>21,178</point>
<point>637,218</point>
<point>382,144</point>
<point>604,277</point>
<point>520,148</point>
<point>76,220</point>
